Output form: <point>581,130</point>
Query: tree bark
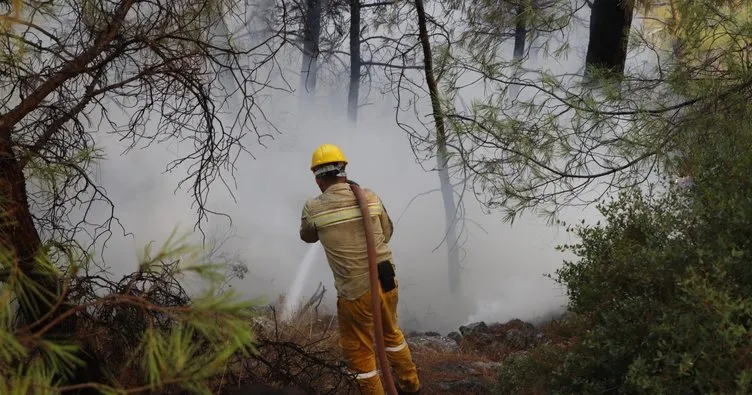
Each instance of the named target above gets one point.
<point>610,23</point>
<point>311,37</point>
<point>355,61</point>
<point>519,33</point>
<point>21,245</point>
<point>19,240</point>
<point>442,154</point>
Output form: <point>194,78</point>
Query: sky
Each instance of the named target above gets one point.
<point>504,266</point>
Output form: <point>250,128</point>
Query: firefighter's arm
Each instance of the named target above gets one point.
<point>308,232</point>
<point>386,223</point>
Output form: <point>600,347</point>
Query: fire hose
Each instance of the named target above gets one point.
<point>386,374</point>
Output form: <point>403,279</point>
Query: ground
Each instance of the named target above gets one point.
<point>462,362</point>
<point>465,362</point>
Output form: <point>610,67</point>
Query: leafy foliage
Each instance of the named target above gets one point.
<point>661,291</point>
<point>148,72</point>
<point>527,137</point>
<point>154,340</point>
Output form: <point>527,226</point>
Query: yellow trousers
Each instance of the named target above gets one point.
<point>357,342</point>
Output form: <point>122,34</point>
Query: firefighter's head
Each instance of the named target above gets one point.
<point>328,166</point>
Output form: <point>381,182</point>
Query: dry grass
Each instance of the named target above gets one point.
<point>302,352</point>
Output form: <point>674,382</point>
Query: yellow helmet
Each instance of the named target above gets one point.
<point>327,154</point>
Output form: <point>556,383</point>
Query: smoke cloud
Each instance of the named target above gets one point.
<point>503,265</point>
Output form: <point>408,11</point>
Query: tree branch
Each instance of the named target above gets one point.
<point>70,70</point>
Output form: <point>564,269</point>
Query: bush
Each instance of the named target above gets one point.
<point>144,330</point>
<point>530,372</point>
<point>663,288</point>
<point>145,334</point>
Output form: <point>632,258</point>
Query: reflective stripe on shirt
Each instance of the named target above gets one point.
<point>340,215</point>
<point>333,216</point>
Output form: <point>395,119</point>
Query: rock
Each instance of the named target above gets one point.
<point>483,339</point>
<point>474,328</point>
<point>455,336</point>
<point>520,335</point>
<point>497,340</point>
<point>433,340</point>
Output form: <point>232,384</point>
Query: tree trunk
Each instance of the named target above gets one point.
<point>442,155</point>
<point>610,23</point>
<point>311,37</point>
<point>450,211</point>
<point>19,239</point>
<point>352,97</point>
<point>676,41</point>
<point>520,32</point>
<point>21,245</point>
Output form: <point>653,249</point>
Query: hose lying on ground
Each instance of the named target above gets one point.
<point>386,374</point>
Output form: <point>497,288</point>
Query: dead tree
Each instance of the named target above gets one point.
<point>520,30</point>
<point>311,38</point>
<point>353,92</point>
<point>379,50</point>
<point>442,154</point>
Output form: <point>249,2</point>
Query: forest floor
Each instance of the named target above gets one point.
<point>461,362</point>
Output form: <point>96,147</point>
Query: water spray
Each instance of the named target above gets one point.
<point>293,297</point>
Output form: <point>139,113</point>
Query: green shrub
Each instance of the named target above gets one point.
<point>663,287</point>
<point>664,313</point>
<point>530,372</point>
<point>152,336</point>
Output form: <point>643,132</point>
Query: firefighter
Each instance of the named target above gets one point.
<point>334,219</point>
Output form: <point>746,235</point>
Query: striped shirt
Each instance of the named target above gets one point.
<point>334,219</point>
